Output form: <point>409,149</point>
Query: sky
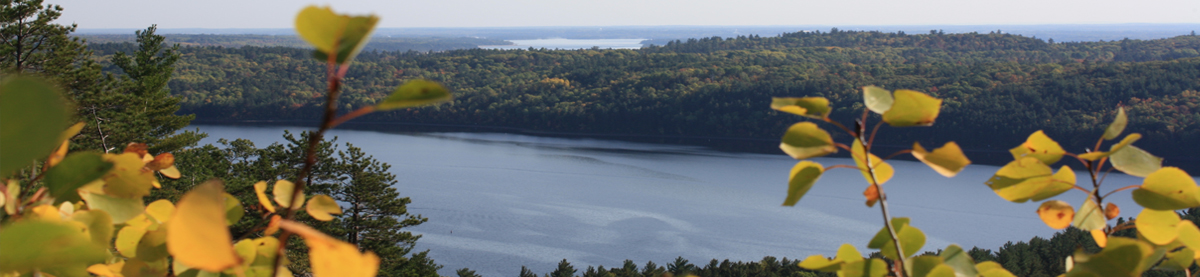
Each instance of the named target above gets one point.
<point>96,14</point>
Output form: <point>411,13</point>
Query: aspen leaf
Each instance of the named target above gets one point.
<point>947,160</point>
<point>928,266</point>
<point>121,209</point>
<point>353,34</point>
<point>11,196</point>
<point>1121,257</point>
<point>128,177</point>
<point>76,170</point>
<point>1178,260</point>
<point>912,108</point>
<point>1089,216</point>
<point>1135,161</point>
<point>1039,146</point>
<point>273,225</point>
<point>153,246</point>
<point>320,26</point>
<point>959,260</point>
<point>820,263</point>
<point>1168,189</point>
<point>415,93</point>
<point>171,172</point>
<point>246,249</point>
<point>871,194</point>
<point>1111,211</point>
<point>332,257</point>
<point>197,234</point>
<point>233,209</point>
<point>99,225</point>
<point>864,268</point>
<point>1117,126</point>
<point>284,190</point>
<point>883,170</point>
<point>911,239</point>
<point>141,149</point>
<point>127,240</point>
<point>813,107</point>
<point>877,99</point>
<point>106,270</point>
<point>1056,214</point>
<point>70,132</point>
<point>46,246</point>
<point>161,162</point>
<point>805,140</point>
<point>58,154</point>
<point>260,189</point>
<point>44,212</point>
<point>1158,227</point>
<point>160,210</point>
<point>1028,178</point>
<point>1113,149</point>
<point>803,176</point>
<point>992,269</point>
<point>1100,237</point>
<point>848,253</point>
<point>32,112</point>
<point>1189,235</point>
<point>321,206</point>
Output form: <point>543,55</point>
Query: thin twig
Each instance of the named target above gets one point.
<point>1122,188</point>
<point>887,218</point>
<point>356,113</point>
<point>901,152</point>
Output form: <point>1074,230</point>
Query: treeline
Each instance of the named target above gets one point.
<point>1038,257</point>
<point>997,87</point>
<point>105,44</point>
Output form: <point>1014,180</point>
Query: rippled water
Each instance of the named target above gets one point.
<point>496,202</point>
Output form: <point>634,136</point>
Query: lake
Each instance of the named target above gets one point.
<point>498,201</point>
<point>569,44</point>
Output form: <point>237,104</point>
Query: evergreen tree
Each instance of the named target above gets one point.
<point>652,270</point>
<point>564,270</point>
<point>466,272</point>
<point>525,272</point>
<point>151,107</point>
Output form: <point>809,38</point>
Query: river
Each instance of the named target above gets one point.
<point>498,201</point>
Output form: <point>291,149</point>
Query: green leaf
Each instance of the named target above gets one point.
<point>1168,189</point>
<point>1135,161</point>
<point>415,93</point>
<point>1028,178</point>
<point>1122,257</point>
<point>1178,260</point>
<point>912,109</point>
<point>883,170</point>
<point>1117,126</point>
<point>911,239</point>
<point>820,263</point>
<point>992,269</point>
<point>121,209</point>
<point>1116,147</point>
<point>1189,235</point>
<point>804,175</point>
<point>814,107</point>
<point>74,171</point>
<point>1158,227</point>
<point>330,32</point>
<point>848,253</point>
<point>1090,216</point>
<point>34,115</point>
<point>128,177</point>
<point>947,160</point>
<point>877,99</point>
<point>805,140</point>
<point>233,209</point>
<point>954,257</point>
<point>99,225</point>
<point>47,246</point>
<point>928,266</point>
<point>864,268</point>
<point>1039,146</point>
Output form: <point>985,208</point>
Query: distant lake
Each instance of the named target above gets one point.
<point>498,201</point>
<point>569,44</point>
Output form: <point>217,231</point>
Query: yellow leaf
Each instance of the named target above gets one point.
<point>107,270</point>
<point>272,226</point>
<point>71,131</point>
<point>45,212</point>
<point>803,176</point>
<point>321,206</point>
<point>160,210</point>
<point>813,107</point>
<point>947,160</point>
<point>99,225</point>
<point>260,189</point>
<point>121,209</point>
<point>128,177</point>
<point>247,250</point>
<point>171,172</point>
<point>883,170</point>
<point>1168,189</point>
<point>320,26</point>
<point>1189,236</point>
<point>1116,147</point>
<point>805,140</point>
<point>12,196</point>
<point>877,99</point>
<point>198,235</point>
<point>1089,216</point>
<point>1028,178</point>
<point>1158,227</point>
<point>127,240</point>
<point>1100,237</point>
<point>1039,146</point>
<point>912,108</point>
<point>284,190</point>
<point>331,257</point>
<point>58,154</point>
<point>1056,214</point>
<point>415,93</point>
<point>1117,126</point>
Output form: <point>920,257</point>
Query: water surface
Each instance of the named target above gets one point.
<point>569,44</point>
<point>496,201</point>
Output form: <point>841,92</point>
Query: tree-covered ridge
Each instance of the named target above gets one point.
<point>105,44</point>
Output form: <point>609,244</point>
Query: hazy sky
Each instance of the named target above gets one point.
<point>493,13</point>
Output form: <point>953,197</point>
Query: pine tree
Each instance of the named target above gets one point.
<point>151,108</point>
<point>525,272</point>
<point>564,270</point>
<point>466,272</point>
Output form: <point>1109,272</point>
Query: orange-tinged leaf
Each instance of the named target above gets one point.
<point>1111,211</point>
<point>947,160</point>
<point>912,108</point>
<point>1039,146</point>
<point>58,154</point>
<point>813,107</point>
<point>332,257</point>
<point>198,235</point>
<point>260,189</point>
<point>170,172</point>
<point>1056,214</point>
<point>1168,189</point>
<point>137,148</point>
<point>106,270</point>
<point>322,206</point>
<point>872,195</point>
<point>161,161</point>
<point>273,225</point>
<point>160,210</point>
<point>1100,237</point>
<point>883,170</point>
<point>802,178</point>
<point>1158,227</point>
<point>805,140</point>
<point>284,190</point>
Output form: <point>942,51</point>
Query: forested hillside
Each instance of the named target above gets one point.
<point>997,87</point>
<point>108,43</point>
